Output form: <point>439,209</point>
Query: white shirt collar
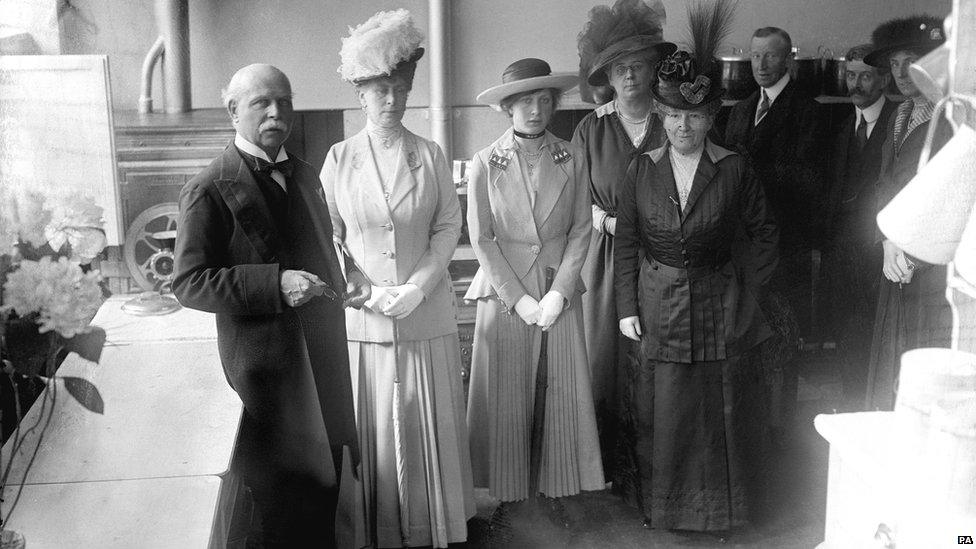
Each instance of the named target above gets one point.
<point>253,150</point>
<point>605,109</point>
<point>871,113</point>
<point>773,91</point>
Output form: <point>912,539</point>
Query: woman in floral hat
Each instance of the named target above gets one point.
<point>688,296</point>
<point>529,211</point>
<point>396,215</point>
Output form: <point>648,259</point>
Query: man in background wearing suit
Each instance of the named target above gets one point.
<point>254,246</point>
<point>852,258</point>
<point>779,132</point>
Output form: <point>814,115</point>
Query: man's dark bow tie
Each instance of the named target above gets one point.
<point>285,166</point>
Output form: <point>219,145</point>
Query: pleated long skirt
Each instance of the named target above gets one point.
<point>434,439</point>
<point>696,442</point>
<point>501,398</point>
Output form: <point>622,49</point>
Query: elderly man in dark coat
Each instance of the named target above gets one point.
<point>778,129</point>
<point>852,257</point>
<point>254,246</point>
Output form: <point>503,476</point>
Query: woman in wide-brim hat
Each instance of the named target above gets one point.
<point>396,214</point>
<point>529,211</point>
<point>912,311</point>
<point>619,48</point>
<point>688,295</point>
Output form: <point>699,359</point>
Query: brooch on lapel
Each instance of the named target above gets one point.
<point>560,155</point>
<point>357,160</point>
<point>498,161</point>
<point>412,162</point>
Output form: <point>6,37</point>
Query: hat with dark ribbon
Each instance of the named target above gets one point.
<point>918,34</point>
<point>681,85</point>
<point>527,75</point>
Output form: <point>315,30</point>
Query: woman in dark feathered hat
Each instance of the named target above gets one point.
<point>689,297</point>
<point>396,215</point>
<point>912,311</point>
<point>618,49</point>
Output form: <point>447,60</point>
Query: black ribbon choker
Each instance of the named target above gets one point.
<point>529,135</point>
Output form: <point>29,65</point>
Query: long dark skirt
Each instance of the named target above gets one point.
<point>606,348</point>
<point>697,442</point>
<point>909,316</point>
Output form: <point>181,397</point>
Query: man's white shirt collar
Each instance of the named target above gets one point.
<point>773,91</point>
<point>253,150</point>
<point>870,113</point>
<point>257,152</point>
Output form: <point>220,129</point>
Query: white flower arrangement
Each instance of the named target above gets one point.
<point>57,290</point>
<point>64,297</point>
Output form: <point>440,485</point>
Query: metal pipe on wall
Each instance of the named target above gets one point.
<point>148,64</point>
<point>440,89</point>
<point>173,18</point>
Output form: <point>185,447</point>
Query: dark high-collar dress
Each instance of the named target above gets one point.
<point>608,151</point>
<point>910,315</point>
<point>695,445</point>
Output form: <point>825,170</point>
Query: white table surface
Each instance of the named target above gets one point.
<point>168,412</point>
<point>146,514</point>
<point>182,325</point>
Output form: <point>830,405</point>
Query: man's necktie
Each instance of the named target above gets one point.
<point>862,133</point>
<point>763,106</point>
<point>285,166</point>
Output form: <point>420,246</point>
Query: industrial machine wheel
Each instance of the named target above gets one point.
<point>149,246</point>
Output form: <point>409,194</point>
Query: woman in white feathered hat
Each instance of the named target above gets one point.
<point>529,212</point>
<point>396,215</point>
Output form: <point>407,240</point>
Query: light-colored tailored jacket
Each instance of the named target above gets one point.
<point>515,240</point>
<point>409,238</point>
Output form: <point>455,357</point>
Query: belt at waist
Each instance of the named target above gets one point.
<point>690,271</point>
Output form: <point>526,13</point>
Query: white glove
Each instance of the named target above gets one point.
<point>551,305</point>
<point>528,309</point>
<point>405,299</point>
<point>631,327</point>
<point>379,298</point>
<point>598,216</point>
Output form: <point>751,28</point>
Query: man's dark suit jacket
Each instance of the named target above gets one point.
<point>853,178</point>
<point>296,389</point>
<point>786,151</point>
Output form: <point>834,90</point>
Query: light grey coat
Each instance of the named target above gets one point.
<point>409,238</point>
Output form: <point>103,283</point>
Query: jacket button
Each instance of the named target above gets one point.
<point>681,240</point>
<point>535,249</point>
<point>388,226</point>
<point>387,282</point>
<point>686,263</point>
<point>389,253</point>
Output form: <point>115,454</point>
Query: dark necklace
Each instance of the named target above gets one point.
<point>529,135</point>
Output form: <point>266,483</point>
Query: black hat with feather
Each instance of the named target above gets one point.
<point>919,34</point>
<point>630,26</point>
<point>691,80</point>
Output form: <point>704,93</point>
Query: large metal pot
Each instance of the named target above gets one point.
<point>806,71</point>
<point>834,73</point>
<point>737,75</point>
